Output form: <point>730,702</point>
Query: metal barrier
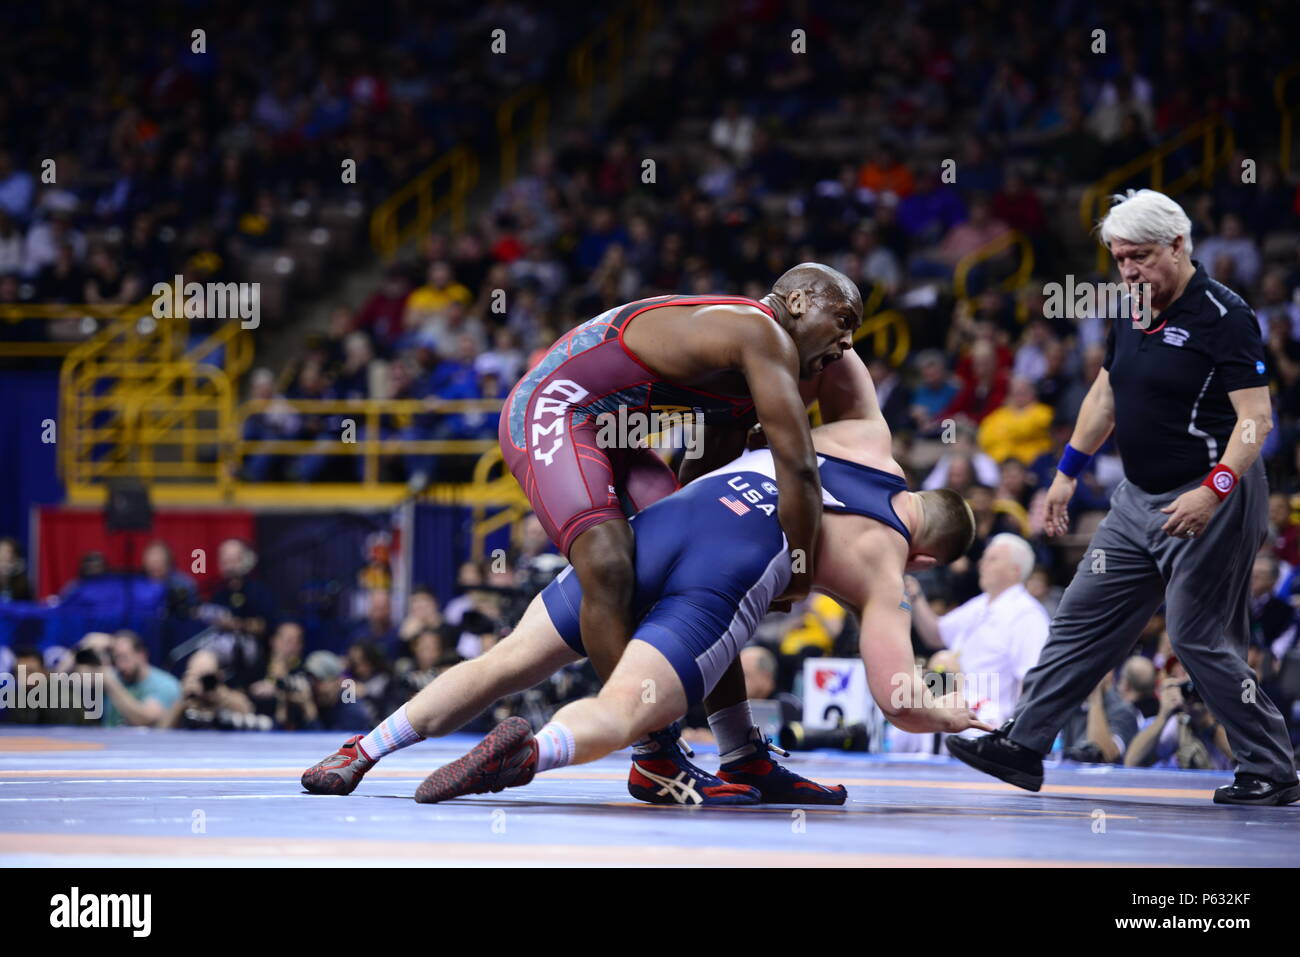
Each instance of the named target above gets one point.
<point>602,57</point>
<point>510,499</point>
<point>368,442</point>
<point>458,167</point>
<point>1287,131</point>
<point>1217,144</point>
<point>443,189</point>
<point>992,250</point>
<point>882,328</point>
<point>136,400</point>
<point>535,100</point>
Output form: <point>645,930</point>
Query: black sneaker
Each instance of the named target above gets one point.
<point>998,755</point>
<point>1254,789</point>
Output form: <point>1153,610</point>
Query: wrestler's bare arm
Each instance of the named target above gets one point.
<point>845,391</point>
<point>862,567</point>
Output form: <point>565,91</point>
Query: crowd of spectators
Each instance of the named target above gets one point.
<point>763,158</point>
<point>254,666</point>
<point>135,149</point>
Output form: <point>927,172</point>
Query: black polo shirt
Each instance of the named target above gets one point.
<point>1171,382</point>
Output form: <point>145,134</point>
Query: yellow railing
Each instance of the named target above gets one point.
<point>512,505</point>
<point>535,100</point>
<point>456,171</point>
<point>891,339</point>
<point>602,58</point>
<point>136,400</point>
<point>365,416</point>
<point>444,188</point>
<point>1287,131</point>
<point>1217,144</point>
<point>993,250</point>
<point>58,312</point>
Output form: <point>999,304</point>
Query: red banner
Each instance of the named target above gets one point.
<point>66,534</point>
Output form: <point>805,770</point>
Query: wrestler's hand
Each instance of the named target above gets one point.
<point>957,714</point>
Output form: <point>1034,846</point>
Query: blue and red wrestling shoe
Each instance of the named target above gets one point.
<point>661,774</point>
<point>751,765</point>
<point>506,758</point>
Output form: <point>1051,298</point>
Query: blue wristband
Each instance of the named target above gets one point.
<point>1072,461</point>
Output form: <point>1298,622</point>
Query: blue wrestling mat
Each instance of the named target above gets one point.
<point>91,797</point>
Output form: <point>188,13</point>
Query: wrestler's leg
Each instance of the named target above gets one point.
<point>532,652</point>
<point>526,656</point>
<point>643,693</point>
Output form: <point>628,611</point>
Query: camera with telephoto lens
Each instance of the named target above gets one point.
<point>853,737</point>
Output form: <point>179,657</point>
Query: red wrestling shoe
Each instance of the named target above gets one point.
<point>778,785</point>
<point>665,776</point>
<point>506,758</point>
<point>341,772</point>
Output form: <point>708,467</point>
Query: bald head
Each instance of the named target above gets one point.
<point>1138,676</point>
<point>820,281</point>
<point>820,308</point>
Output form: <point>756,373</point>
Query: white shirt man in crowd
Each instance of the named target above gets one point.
<point>992,640</point>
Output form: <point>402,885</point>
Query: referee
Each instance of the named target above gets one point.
<point>1186,395</point>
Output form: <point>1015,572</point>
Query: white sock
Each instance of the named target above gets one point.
<point>555,746</point>
<point>731,727</point>
<point>392,734</point>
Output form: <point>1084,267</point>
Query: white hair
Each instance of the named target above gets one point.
<point>1022,553</point>
<point>1145,216</point>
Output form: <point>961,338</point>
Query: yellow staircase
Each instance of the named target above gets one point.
<point>138,401</point>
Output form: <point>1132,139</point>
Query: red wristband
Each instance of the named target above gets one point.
<point>1221,481</point>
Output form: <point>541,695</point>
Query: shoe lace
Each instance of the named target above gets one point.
<point>766,744</point>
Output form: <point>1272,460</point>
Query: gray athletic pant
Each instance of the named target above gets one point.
<point>1129,568</point>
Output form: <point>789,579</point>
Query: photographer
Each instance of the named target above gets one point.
<point>331,705</point>
<point>280,694</point>
<point>242,612</point>
<point>1183,733</point>
<point>429,658</point>
<point>138,693</point>
<point>1101,730</point>
<point>208,703</point>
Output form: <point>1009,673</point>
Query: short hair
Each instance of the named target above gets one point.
<point>1145,216</point>
<point>948,529</point>
<point>137,643</point>
<point>1023,552</point>
<point>249,560</point>
<point>825,283</point>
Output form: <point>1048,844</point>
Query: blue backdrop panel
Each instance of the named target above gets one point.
<point>28,470</point>
<point>442,541</point>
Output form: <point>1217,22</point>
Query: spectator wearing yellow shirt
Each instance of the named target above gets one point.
<point>436,295</point>
<point>1020,428</point>
<point>821,624</point>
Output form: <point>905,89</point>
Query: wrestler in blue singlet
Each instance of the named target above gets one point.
<point>711,557</point>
